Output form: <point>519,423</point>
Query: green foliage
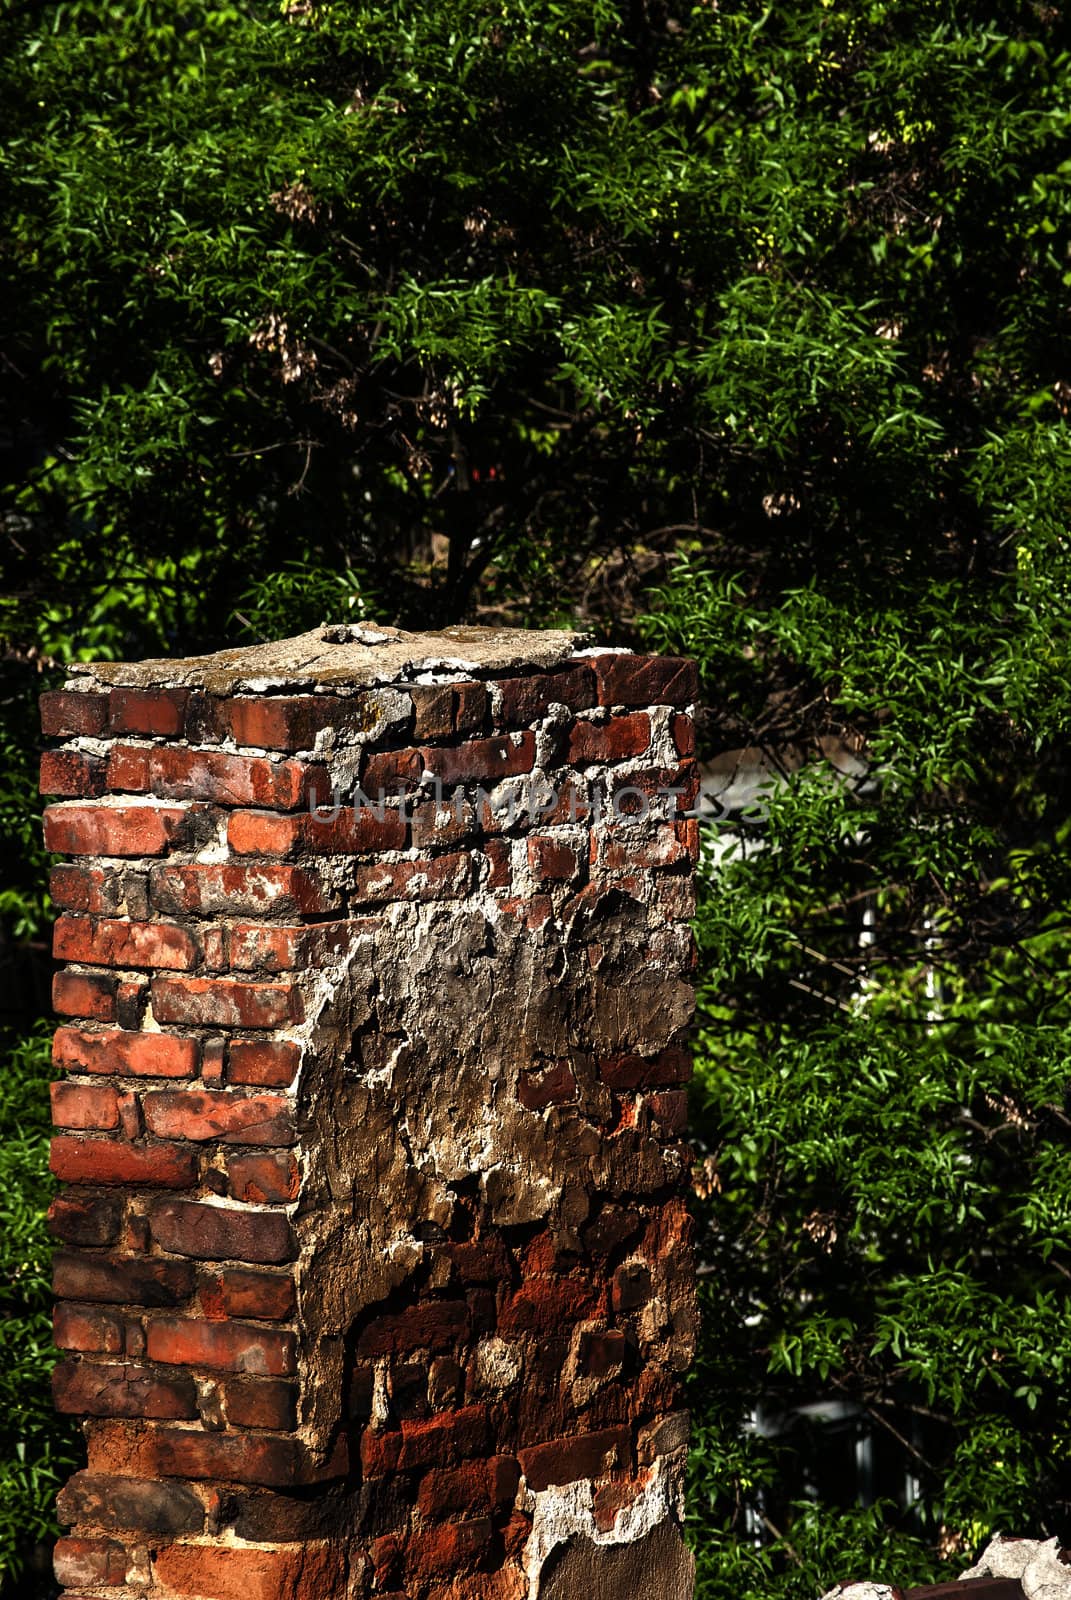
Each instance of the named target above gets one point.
<point>733,328</point>
<point>37,1451</point>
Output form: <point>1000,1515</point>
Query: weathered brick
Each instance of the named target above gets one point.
<point>296,1572</point>
<point>527,700</point>
<point>662,1437</point>
<point>482,1487</point>
<point>236,1292</point>
<point>200,1114</point>
<point>121,1280</point>
<point>105,1389</point>
<point>551,859</point>
<point>451,1548</point>
<point>586,1455</point>
<point>126,1504</point>
<point>266,1064</point>
<point>263,1178</point>
<point>105,829</point>
<point>227,780</point>
<point>264,1403</point>
<point>269,1459</point>
<point>66,713</point>
<point>221,1233</point>
<point>77,1105</point>
<point>161,1166</point>
<point>131,1055</point>
<point>631,1286</point>
<point>444,709</point>
<point>441,1441</point>
<point>433,1325</point>
<point>226,1346</point>
<point>661,846</point>
<point>233,890</point>
<point>479,1260</point>
<point>682,728</point>
<point>434,824</point>
<point>629,1072</point>
<point>272,948</point>
<point>616,740</point>
<point>85,994</point>
<point>89,1562</point>
<point>225,1003</point>
<point>670,1110</point>
<point>481,760</point>
<point>361,831</point>
<point>86,1219</point>
<point>80,888</point>
<point>86,1328</point>
<point>71,774</point>
<point>289,722</point>
<point>115,942</point>
<point>545,1304</point>
<point>625,680</point>
<point>148,711</point>
<point>391,772</point>
<point>445,877</point>
<point>554,1085</point>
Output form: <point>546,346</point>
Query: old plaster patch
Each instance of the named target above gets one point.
<point>567,1511</point>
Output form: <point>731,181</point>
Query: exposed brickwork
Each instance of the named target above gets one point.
<point>372,1255</point>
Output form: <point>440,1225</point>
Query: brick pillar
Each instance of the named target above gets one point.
<point>375,1275</point>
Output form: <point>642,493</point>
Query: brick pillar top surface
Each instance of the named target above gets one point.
<point>374,1274</point>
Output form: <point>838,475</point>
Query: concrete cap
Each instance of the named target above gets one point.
<point>348,655</point>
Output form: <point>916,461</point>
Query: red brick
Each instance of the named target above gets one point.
<point>638,793</point>
<point>434,708</point>
<point>235,1292</point>
<point>225,1003</point>
<point>631,1286</point>
<point>602,1354</point>
<point>105,1389</point>
<point>670,1110</point>
<point>682,728</point>
<point>87,1219</point>
<point>226,1346</point>
<point>687,831</point>
<point>629,1072</point>
<point>452,1548</point>
<point>626,680</point>
<point>435,1325</point>
<point>85,1328</point>
<point>130,1055</point>
<point>226,780</point>
<point>481,760</point>
<point>470,707</point>
<point>71,774</point>
<point>92,1562</point>
<point>263,1179</point>
<point>238,890</point>
<point>434,823</point>
<point>83,889</point>
<point>482,1487</point>
<point>659,847</point>
<point>552,860</point>
<point>121,1280</point>
<point>104,829</point>
<point>267,1459</point>
<point>267,1064</point>
<point>527,700</point>
<point>139,1505</point>
<point>115,942</point>
<point>84,994</point>
<point>160,1166</point>
<point>359,831</point>
<point>69,712</point>
<point>586,1455</point>
<point>288,1572</point>
<point>500,860</point>
<point>391,772</point>
<point>84,1105</point>
<point>148,711</point>
<point>441,1441</point>
<point>615,740</point>
<point>271,948</point>
<point>555,1085</point>
<point>480,1260</point>
<point>221,1233</point>
<point>284,722</point>
<point>267,1403</point>
<point>446,877</point>
<point>201,1114</point>
<point>546,1305</point>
